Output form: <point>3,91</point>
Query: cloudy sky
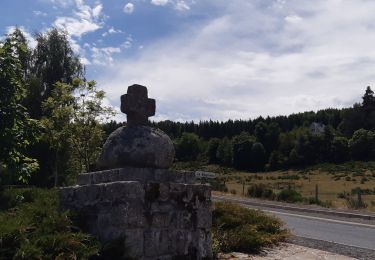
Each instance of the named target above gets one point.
<point>216,59</point>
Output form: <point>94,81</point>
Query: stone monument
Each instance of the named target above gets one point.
<point>160,213</point>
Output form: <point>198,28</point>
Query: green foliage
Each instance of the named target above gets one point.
<point>33,228</point>
<point>339,149</point>
<point>73,122</point>
<point>17,130</point>
<point>218,185</point>
<point>289,195</point>
<point>52,60</point>
<point>242,147</point>
<point>238,229</point>
<point>260,191</point>
<point>225,152</point>
<point>258,156</point>
<point>211,152</point>
<point>277,161</point>
<point>86,132</point>
<point>362,145</point>
<point>188,147</point>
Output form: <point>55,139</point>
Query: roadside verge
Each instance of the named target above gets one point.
<point>295,208</point>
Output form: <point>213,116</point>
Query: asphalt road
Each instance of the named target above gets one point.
<point>344,232</point>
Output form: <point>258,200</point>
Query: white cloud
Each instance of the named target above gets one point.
<point>239,65</point>
<point>76,27</point>
<point>85,61</point>
<point>85,19</point>
<point>97,10</point>
<point>128,8</point>
<point>293,18</point>
<point>39,13</point>
<point>159,2</point>
<point>181,5</point>
<point>61,3</point>
<point>111,31</point>
<point>103,56</point>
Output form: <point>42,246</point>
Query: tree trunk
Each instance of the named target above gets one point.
<point>55,174</point>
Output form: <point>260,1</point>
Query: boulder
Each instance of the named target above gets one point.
<point>137,146</point>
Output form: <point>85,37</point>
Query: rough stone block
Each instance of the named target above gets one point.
<point>181,240</point>
<point>203,239</point>
<point>204,218</point>
<point>189,177</point>
<point>134,242</point>
<point>161,213</point>
<point>142,175</point>
<point>182,219</point>
<point>161,219</point>
<point>156,242</point>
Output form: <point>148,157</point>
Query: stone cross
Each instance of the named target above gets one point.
<point>137,106</point>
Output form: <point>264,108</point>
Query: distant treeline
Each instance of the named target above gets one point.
<point>297,140</point>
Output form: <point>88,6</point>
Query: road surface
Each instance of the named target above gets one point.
<point>344,232</point>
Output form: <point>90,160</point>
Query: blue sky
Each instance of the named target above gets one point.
<point>216,59</point>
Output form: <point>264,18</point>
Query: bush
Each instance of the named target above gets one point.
<point>218,185</point>
<point>239,229</point>
<point>289,195</point>
<point>260,191</point>
<point>33,228</point>
<point>355,203</point>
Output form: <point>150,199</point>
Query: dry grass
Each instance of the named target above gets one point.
<point>330,183</point>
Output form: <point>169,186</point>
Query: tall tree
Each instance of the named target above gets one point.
<point>58,108</point>
<point>87,133</point>
<point>368,99</point>
<point>52,60</point>
<point>242,147</point>
<point>17,130</point>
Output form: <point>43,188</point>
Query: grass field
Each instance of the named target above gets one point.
<point>332,180</point>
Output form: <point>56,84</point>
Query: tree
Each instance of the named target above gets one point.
<point>277,160</point>
<point>272,137</point>
<point>242,145</point>
<point>261,132</point>
<point>17,130</point>
<point>225,152</point>
<point>87,134</point>
<point>258,156</point>
<point>58,108</point>
<point>211,152</point>
<point>362,145</point>
<point>187,147</point>
<point>339,149</point>
<point>52,60</point>
<point>368,105</point>
<point>72,122</point>
<point>368,99</point>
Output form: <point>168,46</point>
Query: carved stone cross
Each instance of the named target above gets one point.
<point>137,106</point>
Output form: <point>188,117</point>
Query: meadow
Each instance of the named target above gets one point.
<point>337,184</point>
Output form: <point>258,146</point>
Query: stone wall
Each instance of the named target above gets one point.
<point>161,214</point>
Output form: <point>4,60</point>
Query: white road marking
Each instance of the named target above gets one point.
<point>243,202</point>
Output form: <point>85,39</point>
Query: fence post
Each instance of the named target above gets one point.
<point>359,197</point>
<point>316,193</point>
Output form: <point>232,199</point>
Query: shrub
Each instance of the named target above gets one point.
<point>218,185</point>
<point>260,191</point>
<point>355,203</point>
<point>33,228</point>
<point>235,228</point>
<point>289,195</point>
